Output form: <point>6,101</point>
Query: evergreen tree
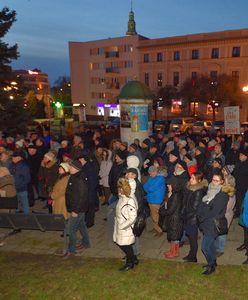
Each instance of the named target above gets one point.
<point>13,116</point>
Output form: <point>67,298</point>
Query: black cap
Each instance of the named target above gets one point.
<point>134,146</point>
<point>244,152</point>
<point>121,154</point>
<point>19,154</point>
<point>219,161</point>
<point>132,170</point>
<point>77,165</point>
<point>182,164</point>
<point>188,156</point>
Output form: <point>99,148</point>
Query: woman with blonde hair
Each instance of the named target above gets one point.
<point>126,214</point>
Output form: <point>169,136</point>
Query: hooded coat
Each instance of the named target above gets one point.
<point>133,162</point>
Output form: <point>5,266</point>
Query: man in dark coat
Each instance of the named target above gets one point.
<point>77,204</point>
<point>118,170</point>
<point>88,168</point>
<point>34,162</point>
<point>21,173</point>
<point>240,174</point>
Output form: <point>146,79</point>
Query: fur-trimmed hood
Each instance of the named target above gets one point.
<point>198,186</point>
<point>230,190</point>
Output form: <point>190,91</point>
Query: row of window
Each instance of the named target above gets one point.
<point>103,51</point>
<point>127,64</point>
<point>176,77</point>
<point>195,54</point>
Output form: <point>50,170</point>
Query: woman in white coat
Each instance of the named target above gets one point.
<point>126,214</point>
<point>105,168</point>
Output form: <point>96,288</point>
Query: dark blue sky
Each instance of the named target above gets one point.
<point>44,27</point>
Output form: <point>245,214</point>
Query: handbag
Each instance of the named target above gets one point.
<point>139,224</point>
<point>162,220</point>
<point>221,226</point>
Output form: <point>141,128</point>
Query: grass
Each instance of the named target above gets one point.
<point>26,276</point>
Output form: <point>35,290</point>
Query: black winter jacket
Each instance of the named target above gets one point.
<point>117,171</point>
<point>173,216</point>
<point>207,213</point>
<point>76,194</point>
<point>193,195</point>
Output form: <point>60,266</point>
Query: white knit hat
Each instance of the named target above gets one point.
<point>65,166</point>
<point>50,155</point>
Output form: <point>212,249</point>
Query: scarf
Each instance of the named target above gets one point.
<point>213,190</point>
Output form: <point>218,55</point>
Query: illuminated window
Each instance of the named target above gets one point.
<point>160,79</point>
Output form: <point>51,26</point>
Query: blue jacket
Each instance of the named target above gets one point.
<point>245,211</point>
<point>21,174</point>
<point>155,187</point>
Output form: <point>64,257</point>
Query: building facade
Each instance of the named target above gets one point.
<point>100,68</point>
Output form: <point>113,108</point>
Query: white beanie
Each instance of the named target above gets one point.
<point>65,166</point>
<point>50,155</point>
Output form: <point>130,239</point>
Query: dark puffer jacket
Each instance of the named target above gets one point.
<point>76,194</point>
<point>193,195</point>
<point>173,215</point>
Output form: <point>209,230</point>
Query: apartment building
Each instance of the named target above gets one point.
<point>100,68</point>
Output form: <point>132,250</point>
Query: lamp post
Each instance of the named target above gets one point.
<point>245,90</point>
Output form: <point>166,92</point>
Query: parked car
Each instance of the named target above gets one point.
<point>218,125</point>
<point>114,123</point>
<point>161,125</point>
<point>182,124</point>
<point>242,127</point>
<point>200,125</point>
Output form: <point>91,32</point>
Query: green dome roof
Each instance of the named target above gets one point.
<point>135,90</point>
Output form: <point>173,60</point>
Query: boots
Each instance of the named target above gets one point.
<point>174,251</point>
<point>171,251</point>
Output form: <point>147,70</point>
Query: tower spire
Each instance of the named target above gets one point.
<point>131,27</point>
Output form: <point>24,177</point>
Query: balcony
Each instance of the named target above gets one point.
<point>112,54</point>
<point>112,70</point>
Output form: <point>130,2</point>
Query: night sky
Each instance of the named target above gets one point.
<point>44,27</point>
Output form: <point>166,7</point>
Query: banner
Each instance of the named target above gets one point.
<point>139,117</point>
<point>231,118</point>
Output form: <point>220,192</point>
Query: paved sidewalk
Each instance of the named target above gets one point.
<point>37,242</point>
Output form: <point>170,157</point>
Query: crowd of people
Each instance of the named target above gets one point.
<point>200,180</point>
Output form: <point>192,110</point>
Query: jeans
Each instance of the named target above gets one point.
<point>22,198</point>
<point>84,233</point>
<point>75,224</point>
<point>209,250</point>
<point>220,243</point>
<point>136,247</point>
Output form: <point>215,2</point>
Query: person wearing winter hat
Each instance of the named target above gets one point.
<point>117,171</point>
<point>77,203</point>
<point>133,162</point>
<point>173,215</point>
<point>156,190</point>
<point>134,150</point>
<point>66,157</point>
<point>232,155</point>
<point>48,175</point>
<point>145,149</point>
<point>58,201</point>
<point>215,167</point>
<point>181,173</point>
<point>240,174</point>
<point>191,164</point>
<point>21,173</point>
<point>200,159</point>
<point>173,158</point>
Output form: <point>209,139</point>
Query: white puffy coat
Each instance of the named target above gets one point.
<point>126,214</point>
